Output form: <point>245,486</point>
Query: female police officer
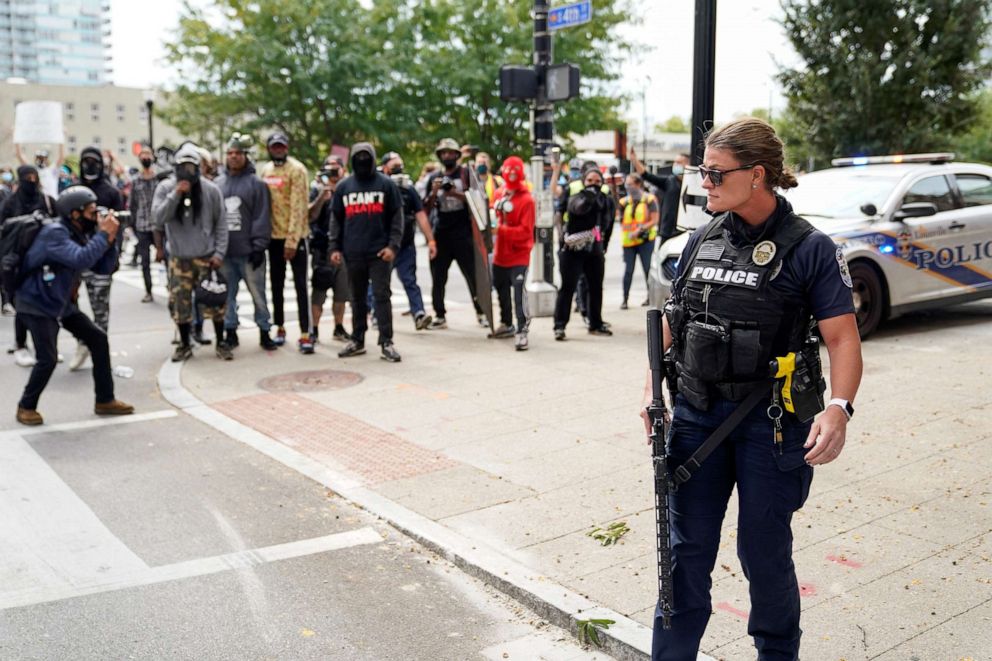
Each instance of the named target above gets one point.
<point>749,283</point>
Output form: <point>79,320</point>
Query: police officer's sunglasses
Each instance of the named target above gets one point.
<point>716,176</point>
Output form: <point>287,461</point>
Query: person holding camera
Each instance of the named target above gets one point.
<point>405,263</point>
<point>638,230</point>
<point>246,209</point>
<point>452,228</point>
<point>49,274</point>
<point>94,177</point>
<point>365,234</point>
<point>326,275</point>
<point>189,209</point>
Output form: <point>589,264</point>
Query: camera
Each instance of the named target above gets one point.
<point>447,183</point>
<point>401,180</point>
<point>119,215</point>
<point>326,176</point>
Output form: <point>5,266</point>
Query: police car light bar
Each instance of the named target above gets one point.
<point>937,157</point>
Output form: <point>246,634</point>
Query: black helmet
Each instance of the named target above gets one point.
<point>74,198</point>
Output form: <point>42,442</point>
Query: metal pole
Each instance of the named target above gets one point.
<point>541,288</point>
<point>151,135</point>
<point>703,75</point>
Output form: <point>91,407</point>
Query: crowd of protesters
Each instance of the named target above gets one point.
<point>344,231</point>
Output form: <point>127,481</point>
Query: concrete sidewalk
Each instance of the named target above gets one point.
<point>524,453</point>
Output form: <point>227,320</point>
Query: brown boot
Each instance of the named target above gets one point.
<point>28,417</point>
<point>113,407</point>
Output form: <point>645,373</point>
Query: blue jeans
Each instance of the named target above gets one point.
<point>630,257</point>
<point>770,486</point>
<point>405,266</point>
<point>235,269</point>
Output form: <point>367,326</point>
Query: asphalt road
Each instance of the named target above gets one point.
<point>156,537</point>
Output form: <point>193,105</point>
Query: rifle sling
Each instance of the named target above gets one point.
<point>692,464</point>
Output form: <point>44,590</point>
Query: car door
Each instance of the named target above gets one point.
<point>927,244</point>
<point>973,226</point>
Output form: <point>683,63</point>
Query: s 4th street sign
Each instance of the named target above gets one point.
<point>568,15</point>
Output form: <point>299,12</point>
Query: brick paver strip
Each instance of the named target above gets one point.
<point>323,433</point>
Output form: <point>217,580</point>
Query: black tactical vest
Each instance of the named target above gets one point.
<point>727,320</point>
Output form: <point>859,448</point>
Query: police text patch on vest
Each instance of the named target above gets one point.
<point>725,276</point>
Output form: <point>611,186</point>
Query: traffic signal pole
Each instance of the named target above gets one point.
<point>541,289</point>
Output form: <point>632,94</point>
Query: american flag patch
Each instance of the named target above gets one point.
<point>710,251</point>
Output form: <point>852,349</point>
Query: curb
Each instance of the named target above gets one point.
<point>626,640</point>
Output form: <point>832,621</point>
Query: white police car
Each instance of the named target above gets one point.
<point>916,230</point>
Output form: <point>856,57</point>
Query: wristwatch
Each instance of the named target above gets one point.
<point>844,405</point>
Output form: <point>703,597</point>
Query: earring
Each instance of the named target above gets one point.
<point>754,186</point>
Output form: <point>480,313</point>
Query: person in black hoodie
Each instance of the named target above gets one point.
<point>365,234</point>
<point>28,198</point>
<point>94,177</point>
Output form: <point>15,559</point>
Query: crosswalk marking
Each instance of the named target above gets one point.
<point>49,538</point>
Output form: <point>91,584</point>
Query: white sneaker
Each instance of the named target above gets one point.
<point>82,353</point>
<point>24,358</point>
<point>8,310</point>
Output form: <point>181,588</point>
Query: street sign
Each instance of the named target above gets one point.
<point>567,16</point>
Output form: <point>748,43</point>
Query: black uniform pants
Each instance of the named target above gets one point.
<point>44,333</point>
<point>450,249</point>
<point>572,264</point>
<point>277,266</point>
<point>361,271</point>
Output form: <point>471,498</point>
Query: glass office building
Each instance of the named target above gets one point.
<point>55,42</point>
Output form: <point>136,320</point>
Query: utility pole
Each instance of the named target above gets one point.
<point>703,77</point>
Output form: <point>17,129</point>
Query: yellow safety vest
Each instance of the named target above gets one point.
<point>635,216</point>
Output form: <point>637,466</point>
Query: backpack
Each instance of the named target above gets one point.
<point>16,237</point>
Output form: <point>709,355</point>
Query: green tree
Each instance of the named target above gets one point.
<point>673,124</point>
<point>883,76</point>
<point>975,143</point>
<point>402,73</point>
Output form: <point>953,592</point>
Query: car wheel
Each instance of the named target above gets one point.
<point>869,297</point>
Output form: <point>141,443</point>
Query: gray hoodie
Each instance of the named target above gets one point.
<point>246,205</point>
<point>193,235</point>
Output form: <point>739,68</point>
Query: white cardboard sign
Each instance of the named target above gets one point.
<point>38,122</point>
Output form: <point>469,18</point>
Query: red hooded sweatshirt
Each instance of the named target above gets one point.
<point>514,208</point>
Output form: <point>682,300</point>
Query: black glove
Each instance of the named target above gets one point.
<point>257,258</point>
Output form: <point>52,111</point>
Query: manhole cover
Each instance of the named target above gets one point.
<point>310,381</point>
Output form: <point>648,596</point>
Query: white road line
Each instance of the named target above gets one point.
<point>92,424</point>
<point>192,568</point>
<point>48,535</point>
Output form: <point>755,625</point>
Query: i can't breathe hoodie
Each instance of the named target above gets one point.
<point>366,212</point>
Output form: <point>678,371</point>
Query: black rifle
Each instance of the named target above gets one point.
<point>662,480</point>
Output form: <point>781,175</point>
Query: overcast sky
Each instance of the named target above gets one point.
<point>748,37</point>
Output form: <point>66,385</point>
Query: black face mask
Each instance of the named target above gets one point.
<point>449,163</point>
<point>30,188</point>
<point>362,165</point>
<point>146,163</point>
<point>90,169</point>
<point>278,160</point>
<point>396,169</point>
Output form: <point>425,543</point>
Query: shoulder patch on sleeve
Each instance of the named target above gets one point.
<point>845,273</point>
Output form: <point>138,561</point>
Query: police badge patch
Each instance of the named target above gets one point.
<point>845,273</point>
<point>763,253</point>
